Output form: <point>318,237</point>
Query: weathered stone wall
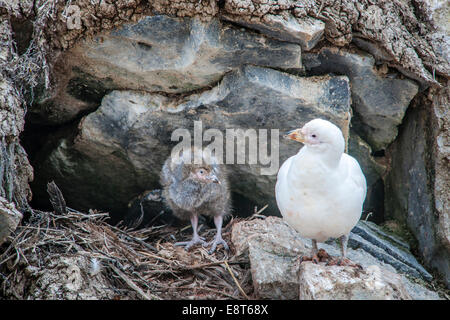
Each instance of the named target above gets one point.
<point>419,175</point>
<point>15,170</point>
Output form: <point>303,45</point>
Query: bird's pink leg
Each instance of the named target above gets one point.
<point>316,254</point>
<point>343,260</point>
<point>314,251</point>
<point>196,239</point>
<point>218,220</point>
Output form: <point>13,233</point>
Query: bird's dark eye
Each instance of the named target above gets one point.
<point>202,172</point>
<point>313,136</point>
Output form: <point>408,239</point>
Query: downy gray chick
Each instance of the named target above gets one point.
<point>191,189</point>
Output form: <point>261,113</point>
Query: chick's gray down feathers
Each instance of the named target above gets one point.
<point>193,189</point>
<point>185,195</point>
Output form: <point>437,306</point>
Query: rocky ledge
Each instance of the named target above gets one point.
<point>272,247</point>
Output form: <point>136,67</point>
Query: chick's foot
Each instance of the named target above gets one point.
<point>188,244</point>
<point>216,242</point>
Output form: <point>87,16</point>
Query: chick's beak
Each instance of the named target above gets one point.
<point>214,179</point>
<point>296,135</point>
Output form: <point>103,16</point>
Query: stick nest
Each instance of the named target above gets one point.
<point>75,255</point>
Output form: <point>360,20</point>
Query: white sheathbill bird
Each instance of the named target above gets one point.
<point>320,191</point>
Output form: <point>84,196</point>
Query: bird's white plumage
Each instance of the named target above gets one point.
<point>320,191</point>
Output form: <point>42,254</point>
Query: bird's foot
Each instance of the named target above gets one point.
<point>188,244</point>
<point>215,243</point>
<point>320,256</point>
<point>323,255</point>
<point>343,262</point>
<point>314,259</point>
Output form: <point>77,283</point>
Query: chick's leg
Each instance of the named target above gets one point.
<point>196,239</point>
<point>218,220</point>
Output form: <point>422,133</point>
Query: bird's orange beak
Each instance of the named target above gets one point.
<point>296,135</point>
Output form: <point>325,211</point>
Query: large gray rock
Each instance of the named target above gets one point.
<point>417,184</point>
<point>383,57</point>
<point>272,248</point>
<point>386,248</point>
<point>379,102</point>
<point>373,169</point>
<point>320,282</point>
<point>156,54</point>
<point>358,148</point>
<point>305,31</point>
<point>121,147</point>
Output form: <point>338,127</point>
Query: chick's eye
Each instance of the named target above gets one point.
<point>313,135</point>
<point>202,172</point>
